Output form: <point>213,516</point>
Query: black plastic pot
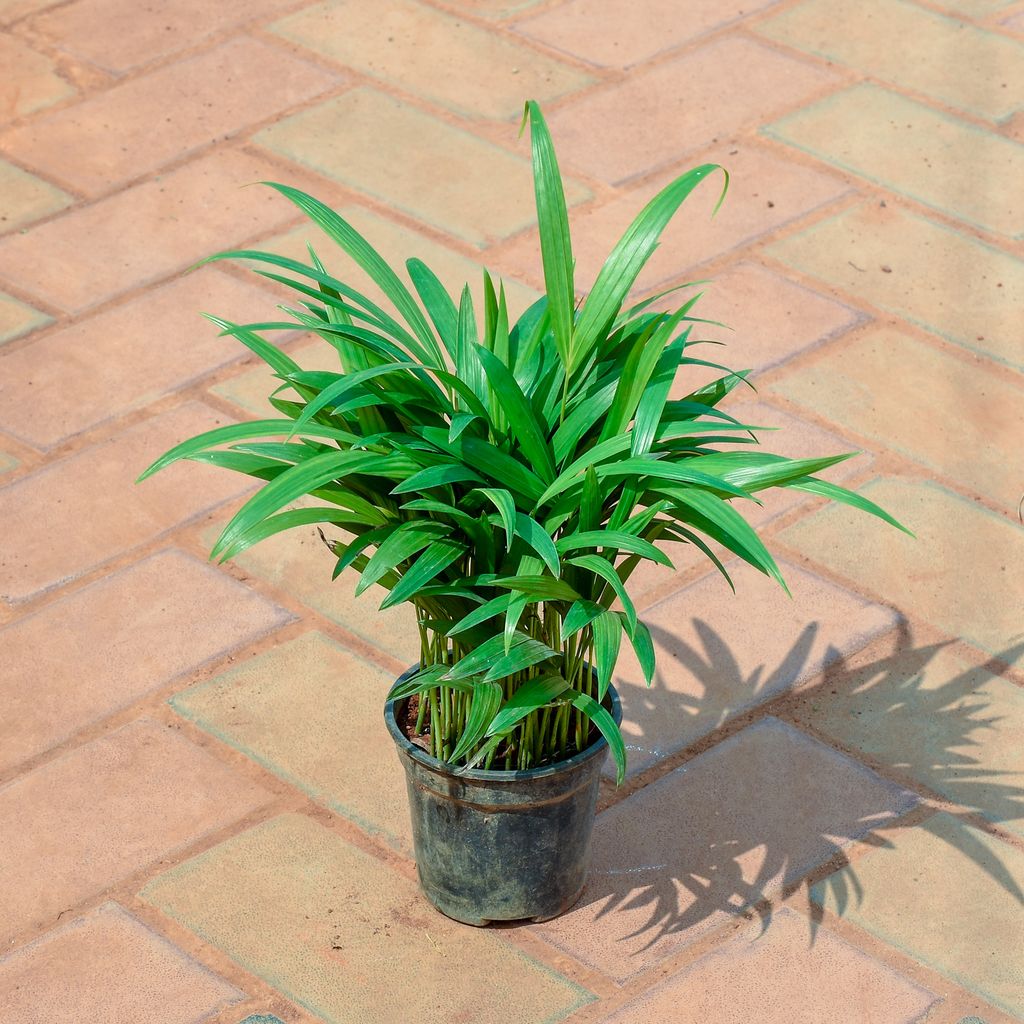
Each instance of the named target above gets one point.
<point>502,845</point>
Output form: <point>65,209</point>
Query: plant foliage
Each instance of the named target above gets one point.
<point>503,477</point>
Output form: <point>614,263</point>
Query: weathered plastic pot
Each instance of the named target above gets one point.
<point>502,845</point>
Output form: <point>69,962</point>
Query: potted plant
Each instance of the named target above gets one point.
<point>505,478</point>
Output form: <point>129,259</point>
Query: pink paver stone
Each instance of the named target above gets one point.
<point>107,966</point>
<point>658,115</point>
<point>94,510</point>
<point>119,358</point>
<point>97,650</point>
<point>786,973</point>
<point>720,833</point>
<point>195,102</point>
<point>94,816</point>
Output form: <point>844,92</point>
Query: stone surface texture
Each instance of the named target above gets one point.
<point>202,819</point>
<point>108,966</point>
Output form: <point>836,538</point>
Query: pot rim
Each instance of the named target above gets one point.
<point>417,753</point>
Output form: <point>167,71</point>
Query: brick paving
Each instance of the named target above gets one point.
<point>824,818</point>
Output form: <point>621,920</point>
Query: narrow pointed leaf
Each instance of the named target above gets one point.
<point>719,520</point>
<point>581,614</point>
<point>437,302</point>
<point>643,646</point>
<point>402,544</point>
<point>437,476</point>
<point>533,694</point>
<point>429,565</point>
<point>235,432</point>
<point>482,709</point>
<point>630,255</point>
<point>291,519</point>
<point>608,729</point>
<point>603,568</point>
<point>506,506</point>
<point>485,612</point>
<point>524,652</point>
<point>824,489</point>
<point>607,638</point>
<point>371,261</point>
<point>537,537</point>
<point>553,225</point>
<point>612,539</point>
<point>521,417</point>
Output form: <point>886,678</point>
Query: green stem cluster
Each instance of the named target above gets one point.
<point>545,736</point>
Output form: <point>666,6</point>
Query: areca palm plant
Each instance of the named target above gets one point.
<point>504,477</point>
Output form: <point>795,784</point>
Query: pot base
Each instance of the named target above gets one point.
<point>457,912</point>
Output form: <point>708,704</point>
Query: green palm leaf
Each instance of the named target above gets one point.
<point>629,256</point>
<point>553,225</point>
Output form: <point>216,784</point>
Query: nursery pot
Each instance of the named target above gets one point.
<point>501,845</point>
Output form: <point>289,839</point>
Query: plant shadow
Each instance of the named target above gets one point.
<point>706,842</point>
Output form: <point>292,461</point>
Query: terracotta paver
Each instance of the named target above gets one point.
<point>891,140</point>
<point>765,193</point>
<point>97,650</point>
<point>93,29</point>
<point>913,267</point>
<point>777,975</point>
<point>478,191</point>
<point>26,198</point>
<point>30,81</point>
<point>932,717</point>
<point>298,563</point>
<point>580,27</point>
<point>973,447</point>
<point>310,711</point>
<point>119,358</point>
<point>661,115</point>
<point>867,257</point>
<point>701,636</point>
<point>692,849</point>
<point>108,966</point>
<point>101,812</point>
<point>970,931</point>
<point>94,510</point>
<point>960,548</point>
<point>292,902</point>
<point>146,233</point>
<point>195,102</point>
<point>906,45</point>
<point>404,42</point>
<point>770,319</point>
<point>18,318</point>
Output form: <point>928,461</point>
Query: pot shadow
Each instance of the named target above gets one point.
<point>670,860</point>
